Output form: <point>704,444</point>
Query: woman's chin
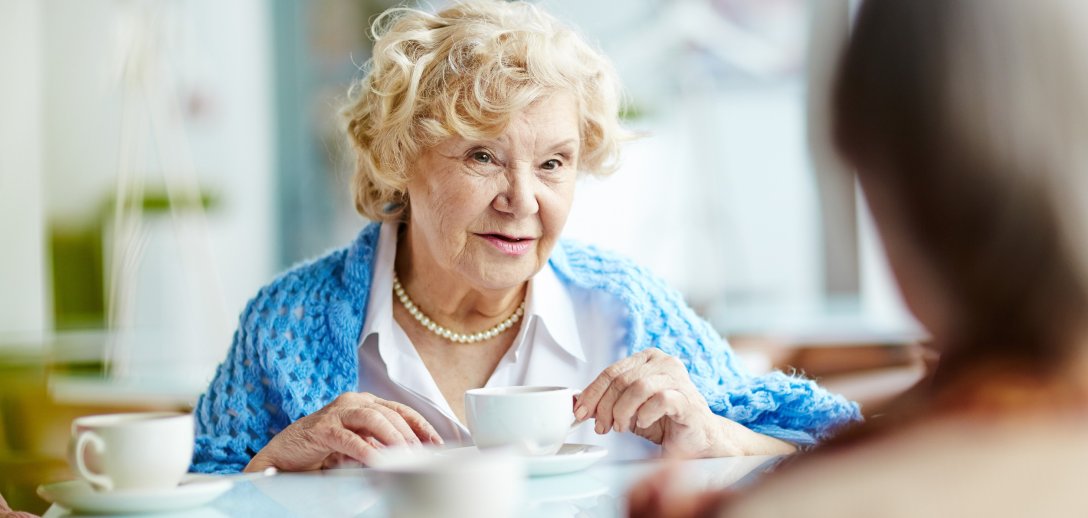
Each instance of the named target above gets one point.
<point>499,275</point>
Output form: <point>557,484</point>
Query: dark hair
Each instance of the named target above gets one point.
<point>972,115</point>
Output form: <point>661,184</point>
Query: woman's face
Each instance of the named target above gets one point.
<point>489,211</point>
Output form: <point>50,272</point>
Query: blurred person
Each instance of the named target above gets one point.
<point>967,122</point>
<point>471,128</point>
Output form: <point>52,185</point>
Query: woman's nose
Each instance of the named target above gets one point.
<point>519,197</point>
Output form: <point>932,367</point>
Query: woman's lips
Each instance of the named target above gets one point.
<point>509,245</point>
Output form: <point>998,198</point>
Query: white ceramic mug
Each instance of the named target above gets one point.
<point>426,483</point>
<point>533,420</point>
<point>133,451</point>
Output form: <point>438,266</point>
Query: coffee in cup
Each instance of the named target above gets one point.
<point>132,451</point>
<point>530,419</point>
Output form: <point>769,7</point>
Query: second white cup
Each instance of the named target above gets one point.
<point>422,483</point>
<point>134,451</point>
<point>533,420</point>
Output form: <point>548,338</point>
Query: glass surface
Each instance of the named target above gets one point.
<point>599,491</point>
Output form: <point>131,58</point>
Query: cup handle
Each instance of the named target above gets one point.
<point>84,439</point>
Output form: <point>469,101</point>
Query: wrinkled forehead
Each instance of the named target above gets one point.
<point>548,110</point>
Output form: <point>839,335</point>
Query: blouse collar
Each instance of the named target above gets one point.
<point>547,301</point>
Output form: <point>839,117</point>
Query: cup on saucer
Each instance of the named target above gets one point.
<point>532,420</point>
<point>132,451</point>
<point>431,483</point>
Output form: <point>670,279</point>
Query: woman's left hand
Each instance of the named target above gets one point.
<point>651,394</point>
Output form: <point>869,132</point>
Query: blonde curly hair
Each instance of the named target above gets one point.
<point>465,71</point>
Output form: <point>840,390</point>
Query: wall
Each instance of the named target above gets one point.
<point>24,306</point>
<point>61,140</point>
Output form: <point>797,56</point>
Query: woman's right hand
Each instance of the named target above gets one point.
<point>354,426</point>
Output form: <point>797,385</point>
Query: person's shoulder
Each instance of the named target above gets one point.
<point>960,463</point>
<point>579,257</point>
<point>657,313</point>
<point>594,267</point>
<point>308,273</point>
<point>293,288</point>
<point>314,278</point>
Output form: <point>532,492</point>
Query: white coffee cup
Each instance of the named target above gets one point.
<point>428,483</point>
<point>532,420</point>
<point>133,451</point>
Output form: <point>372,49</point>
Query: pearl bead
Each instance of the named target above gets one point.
<point>434,327</point>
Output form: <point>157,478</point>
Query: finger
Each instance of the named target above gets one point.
<point>645,498</point>
<point>707,503</point>
<point>662,404</point>
<point>348,400</point>
<point>370,421</point>
<point>633,397</point>
<point>399,423</point>
<point>331,461</point>
<point>339,461</point>
<point>605,419</point>
<point>419,425</point>
<point>342,440</point>
<point>664,495</point>
<point>575,395</point>
<point>591,395</point>
<point>606,406</point>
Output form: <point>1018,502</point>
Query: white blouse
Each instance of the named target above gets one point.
<point>567,337</point>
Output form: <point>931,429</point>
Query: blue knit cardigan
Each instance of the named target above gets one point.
<point>295,351</point>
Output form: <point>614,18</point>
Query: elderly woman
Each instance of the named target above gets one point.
<point>966,121</point>
<point>471,128</point>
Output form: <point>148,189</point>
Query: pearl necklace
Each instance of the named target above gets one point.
<point>452,336</point>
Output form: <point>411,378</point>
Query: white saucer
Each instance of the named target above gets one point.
<point>571,488</point>
<point>569,458</point>
<point>79,496</point>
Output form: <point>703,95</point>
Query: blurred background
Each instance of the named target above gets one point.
<point>160,160</point>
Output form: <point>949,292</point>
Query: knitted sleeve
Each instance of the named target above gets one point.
<point>235,416</point>
<point>790,408</point>
<point>787,407</point>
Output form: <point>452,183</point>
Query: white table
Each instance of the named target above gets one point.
<point>599,491</point>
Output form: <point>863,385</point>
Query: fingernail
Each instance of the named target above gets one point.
<point>616,426</point>
<point>580,413</point>
<point>598,428</point>
<point>438,440</point>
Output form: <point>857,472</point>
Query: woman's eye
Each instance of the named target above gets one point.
<point>482,157</point>
<point>551,165</point>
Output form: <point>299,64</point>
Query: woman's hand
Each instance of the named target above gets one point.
<point>354,426</point>
<point>660,496</point>
<point>651,394</point>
